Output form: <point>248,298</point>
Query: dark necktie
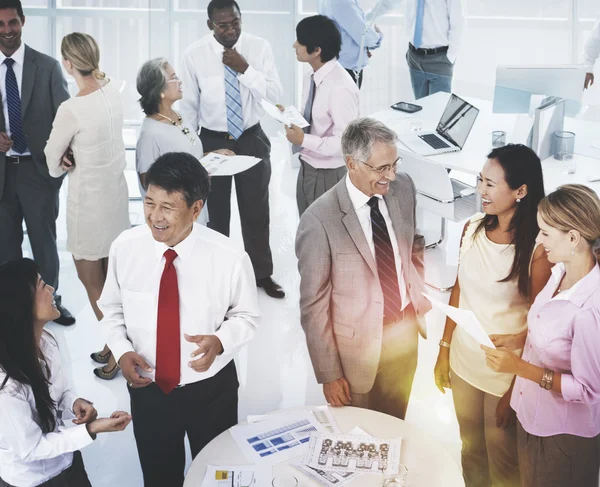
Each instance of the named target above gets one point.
<point>386,264</point>
<point>307,110</point>
<point>13,100</point>
<point>168,339</point>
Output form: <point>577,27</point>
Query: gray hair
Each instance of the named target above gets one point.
<point>151,81</point>
<point>361,134</point>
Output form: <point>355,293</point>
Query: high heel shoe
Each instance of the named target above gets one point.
<point>101,358</point>
<point>100,373</point>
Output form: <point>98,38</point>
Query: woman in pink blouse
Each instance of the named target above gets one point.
<point>557,391</point>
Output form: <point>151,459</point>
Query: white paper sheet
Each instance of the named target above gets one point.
<point>353,453</point>
<point>290,115</point>
<point>464,318</point>
<point>322,415</point>
<point>220,165</point>
<point>234,476</point>
<point>328,478</point>
<point>279,438</point>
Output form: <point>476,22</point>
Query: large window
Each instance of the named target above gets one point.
<point>131,31</point>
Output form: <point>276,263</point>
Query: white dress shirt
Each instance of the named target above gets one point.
<point>444,24</point>
<point>363,211</point>
<point>217,296</point>
<point>19,58</point>
<point>591,51</point>
<point>203,76</point>
<point>28,457</point>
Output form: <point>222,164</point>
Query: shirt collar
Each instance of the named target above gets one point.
<point>18,56</point>
<point>183,248</point>
<point>579,293</point>
<point>219,48</point>
<point>357,197</point>
<point>323,71</point>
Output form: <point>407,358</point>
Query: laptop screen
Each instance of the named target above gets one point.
<point>457,120</point>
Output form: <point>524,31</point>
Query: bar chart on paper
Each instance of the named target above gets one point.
<point>277,439</point>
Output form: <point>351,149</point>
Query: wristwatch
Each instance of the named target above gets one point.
<point>444,344</point>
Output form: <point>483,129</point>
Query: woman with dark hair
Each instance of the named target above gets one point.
<point>36,449</point>
<point>500,273</point>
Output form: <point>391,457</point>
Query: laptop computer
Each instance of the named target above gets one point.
<point>451,133</point>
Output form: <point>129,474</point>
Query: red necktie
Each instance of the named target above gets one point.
<point>168,339</point>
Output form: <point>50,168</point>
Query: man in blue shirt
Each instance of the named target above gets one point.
<point>350,20</point>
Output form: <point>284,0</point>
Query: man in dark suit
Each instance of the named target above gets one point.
<point>32,87</point>
<point>360,258</point>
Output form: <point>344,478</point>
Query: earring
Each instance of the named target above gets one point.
<point>518,200</point>
<point>162,95</point>
<point>572,252</point>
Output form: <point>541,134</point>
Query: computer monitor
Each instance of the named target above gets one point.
<point>516,84</point>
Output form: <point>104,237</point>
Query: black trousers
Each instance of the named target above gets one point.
<point>74,476</point>
<point>28,195</point>
<point>252,190</point>
<point>203,410</point>
<point>353,75</point>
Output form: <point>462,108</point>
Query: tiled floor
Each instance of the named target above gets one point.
<point>275,370</point>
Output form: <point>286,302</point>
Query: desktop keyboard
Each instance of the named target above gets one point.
<point>434,141</point>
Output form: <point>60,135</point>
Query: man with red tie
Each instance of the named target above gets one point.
<point>178,301</point>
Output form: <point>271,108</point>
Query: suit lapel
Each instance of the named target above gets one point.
<point>352,224</point>
<point>29,70</point>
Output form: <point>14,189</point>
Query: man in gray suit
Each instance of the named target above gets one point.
<point>32,87</point>
<point>361,266</point>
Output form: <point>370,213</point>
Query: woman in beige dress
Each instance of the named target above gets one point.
<point>87,142</point>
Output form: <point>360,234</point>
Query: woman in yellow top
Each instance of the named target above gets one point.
<point>500,273</point>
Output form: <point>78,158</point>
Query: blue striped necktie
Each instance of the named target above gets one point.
<point>386,264</point>
<point>235,120</point>
<point>13,100</point>
<point>418,39</point>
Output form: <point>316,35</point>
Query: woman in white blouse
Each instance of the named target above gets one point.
<point>164,129</point>
<point>500,273</point>
<point>36,397</point>
<point>87,142</point>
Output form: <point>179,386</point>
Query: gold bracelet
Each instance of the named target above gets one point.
<point>550,381</point>
<point>444,344</point>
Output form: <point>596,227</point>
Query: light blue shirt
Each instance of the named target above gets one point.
<point>350,19</point>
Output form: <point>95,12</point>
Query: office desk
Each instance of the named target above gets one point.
<point>471,159</point>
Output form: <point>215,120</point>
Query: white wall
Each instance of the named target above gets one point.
<point>131,31</point>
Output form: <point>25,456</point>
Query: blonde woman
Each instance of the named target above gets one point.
<point>557,390</point>
<point>87,142</point>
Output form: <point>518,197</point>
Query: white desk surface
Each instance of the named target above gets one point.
<point>471,159</point>
<point>428,462</point>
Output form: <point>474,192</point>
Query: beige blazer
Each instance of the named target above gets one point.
<point>341,301</point>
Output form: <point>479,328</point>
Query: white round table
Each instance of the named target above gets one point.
<point>428,463</point>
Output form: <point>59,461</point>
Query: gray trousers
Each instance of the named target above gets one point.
<point>559,460</point>
<point>74,476</point>
<point>429,73</point>
<point>396,371</point>
<point>313,183</point>
<point>489,454</point>
<point>28,195</point>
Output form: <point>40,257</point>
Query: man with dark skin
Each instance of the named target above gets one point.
<point>227,75</point>
<point>27,191</point>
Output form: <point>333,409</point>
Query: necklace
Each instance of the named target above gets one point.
<point>179,124</point>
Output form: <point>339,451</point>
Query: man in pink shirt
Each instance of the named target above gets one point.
<point>330,103</point>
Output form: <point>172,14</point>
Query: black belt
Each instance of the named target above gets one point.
<point>227,135</point>
<point>18,159</point>
<point>427,52</point>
